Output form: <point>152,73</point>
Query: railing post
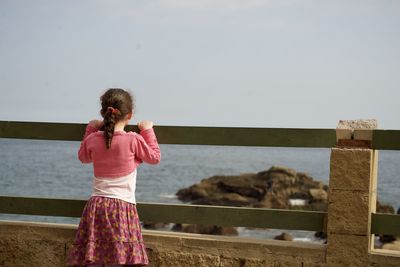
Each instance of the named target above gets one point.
<point>352,194</point>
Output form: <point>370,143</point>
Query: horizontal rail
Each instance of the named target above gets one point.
<point>386,139</point>
<point>388,224</point>
<point>185,135</point>
<point>195,135</point>
<point>197,214</point>
<point>234,216</point>
<point>42,130</point>
<point>174,213</point>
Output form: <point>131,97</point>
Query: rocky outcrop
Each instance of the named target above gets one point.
<point>154,226</point>
<point>284,236</point>
<point>384,208</point>
<point>273,188</point>
<point>205,229</point>
<point>394,245</point>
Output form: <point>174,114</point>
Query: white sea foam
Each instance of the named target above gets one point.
<point>297,202</point>
<point>168,196</point>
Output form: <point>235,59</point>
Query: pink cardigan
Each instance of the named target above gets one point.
<point>128,150</point>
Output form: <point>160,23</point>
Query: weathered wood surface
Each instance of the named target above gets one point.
<point>388,224</point>
<point>175,213</point>
<point>187,135</point>
<point>194,135</point>
<point>386,139</point>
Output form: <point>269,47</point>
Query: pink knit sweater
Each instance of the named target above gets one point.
<point>128,150</point>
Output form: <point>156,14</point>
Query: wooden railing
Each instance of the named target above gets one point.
<point>174,213</point>
<point>196,214</point>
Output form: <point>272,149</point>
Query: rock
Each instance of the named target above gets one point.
<point>154,226</point>
<point>242,190</point>
<point>273,201</point>
<point>395,245</point>
<point>205,229</point>
<point>286,172</point>
<point>386,238</point>
<point>318,194</point>
<point>284,236</point>
<point>244,185</point>
<point>321,235</point>
<point>299,195</point>
<point>272,188</point>
<point>384,208</point>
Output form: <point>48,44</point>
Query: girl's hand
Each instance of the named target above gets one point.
<point>96,124</point>
<point>144,125</point>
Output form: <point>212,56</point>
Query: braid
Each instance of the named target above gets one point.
<point>109,125</point>
<point>115,105</point>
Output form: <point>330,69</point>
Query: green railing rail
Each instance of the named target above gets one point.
<point>184,135</point>
<point>197,214</point>
<point>193,135</point>
<point>175,213</point>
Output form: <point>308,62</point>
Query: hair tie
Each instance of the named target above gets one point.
<point>113,110</point>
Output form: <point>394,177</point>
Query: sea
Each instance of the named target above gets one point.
<point>40,168</point>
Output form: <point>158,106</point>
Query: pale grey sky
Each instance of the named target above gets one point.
<point>261,63</point>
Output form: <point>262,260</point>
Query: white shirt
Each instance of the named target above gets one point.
<point>122,187</point>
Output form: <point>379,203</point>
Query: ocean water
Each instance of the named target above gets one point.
<point>51,169</point>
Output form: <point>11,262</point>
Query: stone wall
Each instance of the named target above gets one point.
<point>44,244</point>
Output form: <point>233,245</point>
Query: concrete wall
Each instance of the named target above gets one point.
<point>44,244</point>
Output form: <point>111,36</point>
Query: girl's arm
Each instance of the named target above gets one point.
<point>146,146</point>
<point>83,153</point>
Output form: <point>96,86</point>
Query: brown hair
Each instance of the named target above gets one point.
<point>115,105</point>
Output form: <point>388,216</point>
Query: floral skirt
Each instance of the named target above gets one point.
<point>109,233</point>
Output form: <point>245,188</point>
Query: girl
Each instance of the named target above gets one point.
<point>109,231</point>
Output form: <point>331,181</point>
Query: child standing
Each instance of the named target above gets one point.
<point>109,232</point>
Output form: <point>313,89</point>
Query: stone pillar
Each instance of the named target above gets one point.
<point>352,194</point>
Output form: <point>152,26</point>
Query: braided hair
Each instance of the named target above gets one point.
<point>115,105</point>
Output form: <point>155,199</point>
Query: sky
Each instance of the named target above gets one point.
<point>239,63</point>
